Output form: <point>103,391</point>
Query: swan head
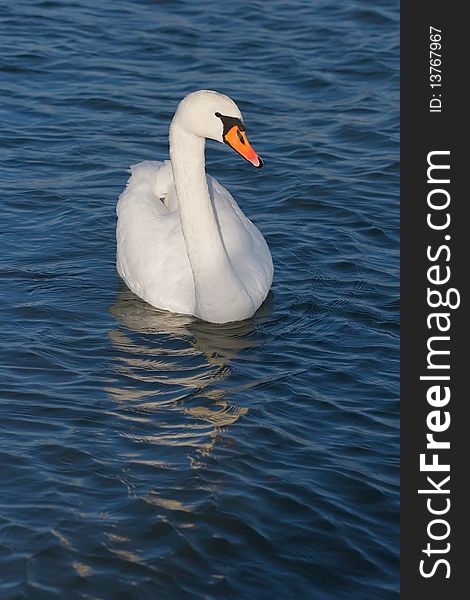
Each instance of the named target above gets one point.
<point>211,115</point>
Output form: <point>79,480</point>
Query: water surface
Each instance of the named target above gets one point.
<point>148,455</point>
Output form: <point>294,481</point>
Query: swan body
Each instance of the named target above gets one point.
<point>183,243</point>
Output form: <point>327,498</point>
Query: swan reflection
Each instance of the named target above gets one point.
<point>175,365</point>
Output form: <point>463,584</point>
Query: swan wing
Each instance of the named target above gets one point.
<point>245,245</point>
<point>151,253</point>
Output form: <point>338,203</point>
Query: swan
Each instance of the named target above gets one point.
<point>183,243</point>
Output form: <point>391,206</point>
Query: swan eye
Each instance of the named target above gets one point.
<point>217,114</point>
<point>240,137</point>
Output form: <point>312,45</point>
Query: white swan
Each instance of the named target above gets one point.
<point>183,244</point>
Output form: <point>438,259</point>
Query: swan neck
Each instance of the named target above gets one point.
<point>198,220</point>
<point>216,284</point>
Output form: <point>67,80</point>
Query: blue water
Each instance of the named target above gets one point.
<point>152,456</point>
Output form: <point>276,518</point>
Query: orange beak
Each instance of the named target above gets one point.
<point>239,142</point>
